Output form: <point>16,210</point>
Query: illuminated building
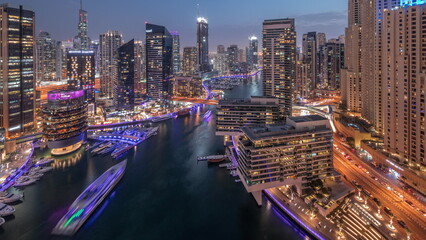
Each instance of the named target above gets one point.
<point>82,40</point>
<point>124,97</point>
<point>62,48</point>
<point>190,55</point>
<point>296,153</point>
<point>279,61</point>
<point>189,86</point>
<point>334,52</point>
<point>176,52</point>
<point>109,42</point>
<point>17,88</point>
<point>313,43</point>
<point>65,121</point>
<point>203,45</point>
<point>140,80</point>
<point>159,48</point>
<point>81,72</point>
<point>45,58</point>
<point>253,49</point>
<point>232,58</point>
<point>404,77</point>
<point>233,114</point>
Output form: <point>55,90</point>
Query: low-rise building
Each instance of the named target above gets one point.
<point>295,153</point>
<point>234,114</point>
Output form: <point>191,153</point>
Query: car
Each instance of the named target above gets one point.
<point>376,201</point>
<point>367,193</point>
<point>383,183</point>
<point>402,223</point>
<point>387,211</point>
<point>410,203</point>
<point>422,212</point>
<point>357,165</point>
<point>375,178</point>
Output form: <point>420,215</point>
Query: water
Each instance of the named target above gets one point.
<point>164,194</point>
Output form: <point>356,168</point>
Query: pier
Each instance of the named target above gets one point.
<point>212,158</point>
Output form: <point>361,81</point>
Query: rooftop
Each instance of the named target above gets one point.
<point>309,118</point>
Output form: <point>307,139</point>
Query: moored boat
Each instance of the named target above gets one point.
<point>6,210</point>
<point>10,197</point>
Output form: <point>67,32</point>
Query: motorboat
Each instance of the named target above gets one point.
<point>6,197</point>
<point>162,118</point>
<point>2,221</point>
<point>24,181</point>
<point>6,210</point>
<point>44,161</point>
<point>85,204</point>
<point>41,169</point>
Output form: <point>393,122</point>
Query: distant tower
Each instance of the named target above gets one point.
<point>109,42</point>
<point>82,41</point>
<point>124,96</point>
<point>203,45</point>
<point>81,72</point>
<point>45,58</point>
<point>253,49</point>
<point>176,52</point>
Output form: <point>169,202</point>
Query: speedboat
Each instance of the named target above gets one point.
<point>41,169</point>
<point>6,210</point>
<point>24,181</point>
<point>44,161</point>
<point>162,118</point>
<point>10,197</point>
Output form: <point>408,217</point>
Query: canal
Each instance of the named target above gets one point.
<point>164,194</point>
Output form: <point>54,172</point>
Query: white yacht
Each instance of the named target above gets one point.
<point>162,118</point>
<point>6,197</point>
<point>41,169</point>
<point>6,210</point>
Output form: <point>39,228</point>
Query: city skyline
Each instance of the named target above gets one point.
<point>130,16</point>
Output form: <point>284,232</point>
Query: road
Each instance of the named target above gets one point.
<point>415,222</point>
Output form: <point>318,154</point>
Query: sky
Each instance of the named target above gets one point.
<point>230,21</point>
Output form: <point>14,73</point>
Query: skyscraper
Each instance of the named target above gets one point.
<point>334,60</point>
<point>17,88</point>
<point>252,58</point>
<point>279,60</point>
<point>190,55</point>
<point>109,42</point>
<point>81,72</point>
<point>232,57</point>
<point>159,48</point>
<point>45,58</point>
<point>404,76</point>
<point>203,45</point>
<point>310,58</point>
<point>176,52</point>
<point>82,40</point>
<point>351,74</point>
<point>140,81</point>
<point>124,97</point>
<point>62,48</point>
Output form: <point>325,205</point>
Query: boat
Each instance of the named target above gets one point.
<point>151,132</point>
<point>85,204</point>
<point>162,118</point>
<point>2,221</point>
<point>6,210</point>
<point>44,161</point>
<point>208,114</point>
<point>24,181</point>
<point>41,169</point>
<point>10,197</point>
<point>184,112</point>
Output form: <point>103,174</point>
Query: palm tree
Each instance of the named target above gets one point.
<point>378,205</point>
<point>408,231</point>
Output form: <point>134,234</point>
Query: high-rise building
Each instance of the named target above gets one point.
<point>296,153</point>
<point>45,58</point>
<point>95,47</point>
<point>65,125</point>
<point>62,48</point>
<point>220,49</point>
<point>233,114</point>
<point>203,45</point>
<point>17,88</point>
<point>404,76</point>
<point>190,55</point>
<point>220,63</point>
<point>176,52</point>
<point>279,61</point>
<point>334,61</point>
<point>124,97</point>
<point>81,72</point>
<point>232,57</point>
<point>159,48</point>
<point>253,49</point>
<point>351,74</point>
<point>140,80</point>
<point>109,42</point>
<point>310,58</point>
<point>82,40</point>
<point>187,86</point>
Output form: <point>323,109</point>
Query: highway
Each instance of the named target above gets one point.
<point>414,220</point>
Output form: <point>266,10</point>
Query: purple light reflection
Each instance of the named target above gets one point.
<point>65,95</point>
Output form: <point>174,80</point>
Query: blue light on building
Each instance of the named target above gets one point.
<point>412,2</point>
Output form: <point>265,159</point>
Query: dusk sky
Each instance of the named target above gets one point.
<point>230,21</point>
